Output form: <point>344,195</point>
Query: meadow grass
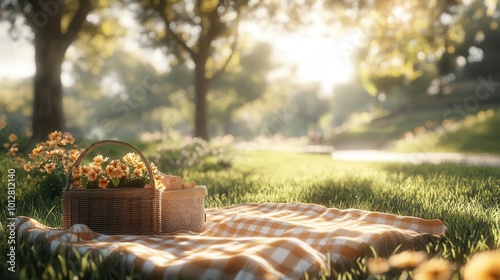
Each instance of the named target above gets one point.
<point>465,198</point>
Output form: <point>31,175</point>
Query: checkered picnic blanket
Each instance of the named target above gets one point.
<point>246,241</point>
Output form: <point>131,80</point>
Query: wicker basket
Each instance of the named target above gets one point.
<point>184,209</point>
<point>134,211</point>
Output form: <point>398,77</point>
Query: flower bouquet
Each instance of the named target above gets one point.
<point>102,173</point>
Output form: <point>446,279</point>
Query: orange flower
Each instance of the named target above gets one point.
<point>109,170</point>
<point>12,137</point>
<point>485,265</point>
<point>159,185</point>
<point>407,259</point>
<point>3,124</point>
<point>49,167</point>
<point>435,269</point>
<point>6,145</point>
<point>98,160</point>
<point>103,183</point>
<point>96,168</point>
<point>29,134</point>
<point>27,167</point>
<point>92,175</point>
<point>114,163</point>
<point>73,154</point>
<point>12,151</point>
<point>153,167</point>
<point>140,165</point>
<point>67,139</point>
<point>84,170</point>
<point>137,172</point>
<point>36,151</point>
<point>55,136</point>
<point>131,158</point>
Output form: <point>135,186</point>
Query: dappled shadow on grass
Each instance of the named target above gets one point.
<point>351,193</point>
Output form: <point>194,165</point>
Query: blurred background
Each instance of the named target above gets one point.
<point>353,74</point>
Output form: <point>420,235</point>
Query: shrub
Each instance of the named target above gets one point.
<point>177,153</point>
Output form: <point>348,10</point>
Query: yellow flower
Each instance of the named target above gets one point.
<point>55,136</point>
<point>158,176</point>
<point>103,183</point>
<point>84,170</point>
<point>109,170</point>
<point>12,137</point>
<point>12,151</point>
<point>73,154</point>
<point>77,183</point>
<point>36,151</point>
<point>140,165</point>
<point>137,172</point>
<point>115,172</point>
<point>485,265</point>
<point>67,139</point>
<point>92,175</point>
<point>27,167</point>
<point>114,163</point>
<point>407,259</point>
<point>98,160</point>
<point>75,172</point>
<point>131,158</point>
<point>153,167</point>
<point>49,167</point>
<point>434,269</point>
<point>378,265</point>
<point>96,168</point>
<point>159,185</point>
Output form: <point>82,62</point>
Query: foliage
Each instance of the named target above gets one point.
<point>176,153</point>
<point>475,133</point>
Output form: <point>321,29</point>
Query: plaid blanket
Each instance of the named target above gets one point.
<point>246,241</point>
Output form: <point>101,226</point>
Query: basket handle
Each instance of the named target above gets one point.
<point>103,142</point>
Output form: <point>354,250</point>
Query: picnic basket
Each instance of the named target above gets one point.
<point>130,211</point>
<point>183,209</point>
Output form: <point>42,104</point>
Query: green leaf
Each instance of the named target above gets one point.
<point>84,182</point>
<point>115,181</point>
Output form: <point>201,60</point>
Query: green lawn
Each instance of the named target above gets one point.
<point>466,199</point>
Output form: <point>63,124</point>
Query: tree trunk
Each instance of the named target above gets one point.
<point>201,85</point>
<point>48,113</point>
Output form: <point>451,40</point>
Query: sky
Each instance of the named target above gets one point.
<point>316,52</point>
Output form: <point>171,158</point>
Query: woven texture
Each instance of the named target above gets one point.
<point>183,214</point>
<point>113,211</point>
<point>119,211</point>
<point>247,241</point>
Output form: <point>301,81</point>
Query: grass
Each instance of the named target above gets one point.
<point>465,198</point>
<point>476,133</point>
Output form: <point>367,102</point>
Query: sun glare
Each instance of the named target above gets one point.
<point>315,52</point>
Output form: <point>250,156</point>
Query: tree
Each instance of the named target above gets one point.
<point>55,26</point>
<point>244,85</point>
<point>400,37</point>
<point>204,34</point>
